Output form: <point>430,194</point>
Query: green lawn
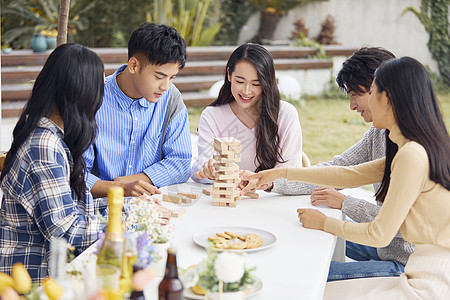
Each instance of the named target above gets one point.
<point>329,127</point>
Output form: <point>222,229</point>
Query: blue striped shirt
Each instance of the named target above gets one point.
<point>130,134</point>
<point>39,204</point>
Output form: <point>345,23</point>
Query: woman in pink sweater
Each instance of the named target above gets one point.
<point>249,108</point>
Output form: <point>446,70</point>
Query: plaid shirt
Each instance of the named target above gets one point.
<point>39,204</point>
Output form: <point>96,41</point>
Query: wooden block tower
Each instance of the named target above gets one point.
<point>227,172</point>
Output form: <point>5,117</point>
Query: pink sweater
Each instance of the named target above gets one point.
<point>220,121</point>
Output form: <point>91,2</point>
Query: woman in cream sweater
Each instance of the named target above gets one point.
<point>415,189</point>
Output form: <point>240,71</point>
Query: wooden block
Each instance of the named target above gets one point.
<point>225,191</point>
<point>224,172</point>
<point>178,213</point>
<point>216,203</point>
<point>226,177</point>
<point>189,195</point>
<point>230,152</point>
<point>186,200</point>
<point>172,198</point>
<point>226,166</point>
<point>228,188</point>
<point>232,204</point>
<point>207,192</point>
<point>224,184</point>
<point>252,195</point>
<point>231,194</point>
<point>226,141</point>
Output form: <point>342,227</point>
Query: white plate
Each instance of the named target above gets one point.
<point>201,237</point>
<point>253,290</point>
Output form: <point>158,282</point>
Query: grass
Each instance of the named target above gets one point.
<point>329,127</point>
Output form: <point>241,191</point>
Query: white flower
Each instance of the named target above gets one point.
<point>189,277</point>
<point>229,267</point>
<point>202,267</point>
<point>142,214</point>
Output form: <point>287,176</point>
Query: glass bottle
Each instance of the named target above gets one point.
<point>171,287</point>
<point>58,260</point>
<point>129,258</point>
<point>112,249</point>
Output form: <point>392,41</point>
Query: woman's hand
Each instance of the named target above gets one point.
<point>311,218</point>
<point>263,179</point>
<point>207,171</point>
<point>327,196</point>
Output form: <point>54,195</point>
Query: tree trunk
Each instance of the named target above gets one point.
<point>63,22</point>
<point>268,24</point>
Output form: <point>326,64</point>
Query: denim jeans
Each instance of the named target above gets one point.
<point>366,264</point>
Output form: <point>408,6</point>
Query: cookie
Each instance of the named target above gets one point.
<point>239,245</point>
<point>222,244</point>
<point>243,237</point>
<point>223,235</point>
<point>253,241</point>
<point>216,238</point>
<point>198,290</point>
<point>232,234</point>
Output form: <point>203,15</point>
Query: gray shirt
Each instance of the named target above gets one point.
<point>370,147</point>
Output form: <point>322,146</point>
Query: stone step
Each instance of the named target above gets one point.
<point>22,91</point>
<point>24,74</point>
<point>12,109</point>
<point>120,55</point>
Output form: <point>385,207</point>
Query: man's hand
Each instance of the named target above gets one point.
<point>137,185</point>
<point>207,171</point>
<point>311,218</point>
<point>262,180</point>
<point>327,196</point>
<point>138,188</point>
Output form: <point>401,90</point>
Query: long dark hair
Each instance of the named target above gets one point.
<point>70,83</point>
<point>416,109</point>
<point>268,152</point>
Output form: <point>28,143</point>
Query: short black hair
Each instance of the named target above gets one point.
<point>358,71</point>
<point>157,43</point>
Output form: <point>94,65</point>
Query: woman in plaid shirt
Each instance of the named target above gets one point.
<point>43,182</point>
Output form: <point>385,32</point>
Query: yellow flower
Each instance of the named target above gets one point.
<point>53,289</point>
<point>21,278</point>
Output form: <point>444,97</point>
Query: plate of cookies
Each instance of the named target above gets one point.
<point>235,238</point>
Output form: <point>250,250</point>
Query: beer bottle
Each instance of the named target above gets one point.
<point>171,287</point>
<point>137,293</point>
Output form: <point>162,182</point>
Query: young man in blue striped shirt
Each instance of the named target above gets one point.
<point>143,139</point>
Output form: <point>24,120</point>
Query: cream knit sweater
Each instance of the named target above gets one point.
<point>369,148</point>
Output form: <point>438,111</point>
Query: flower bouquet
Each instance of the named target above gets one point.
<point>220,274</point>
<point>141,214</point>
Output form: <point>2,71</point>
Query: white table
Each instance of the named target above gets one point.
<point>296,267</point>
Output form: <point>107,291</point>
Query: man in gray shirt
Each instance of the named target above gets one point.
<point>355,78</point>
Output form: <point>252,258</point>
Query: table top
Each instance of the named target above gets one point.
<point>296,265</point>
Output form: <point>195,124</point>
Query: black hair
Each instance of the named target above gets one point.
<point>268,152</point>
<point>410,91</point>
<point>71,84</point>
<point>158,44</point>
<point>358,71</point>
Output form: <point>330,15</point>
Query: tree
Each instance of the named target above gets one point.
<point>271,12</point>
<point>63,22</point>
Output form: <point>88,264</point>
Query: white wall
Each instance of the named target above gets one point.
<point>359,23</point>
